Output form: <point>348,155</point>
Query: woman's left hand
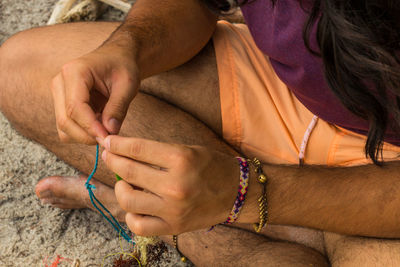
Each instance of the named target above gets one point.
<point>168,188</point>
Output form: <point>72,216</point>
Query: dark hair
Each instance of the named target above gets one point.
<point>359,44</point>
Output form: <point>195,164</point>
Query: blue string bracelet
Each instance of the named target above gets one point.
<point>90,187</point>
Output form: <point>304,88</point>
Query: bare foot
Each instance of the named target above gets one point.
<point>71,193</point>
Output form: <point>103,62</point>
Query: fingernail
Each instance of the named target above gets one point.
<point>106,142</point>
<point>104,155</point>
<point>100,141</point>
<point>45,194</point>
<point>114,125</point>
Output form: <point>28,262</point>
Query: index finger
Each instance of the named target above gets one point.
<point>143,150</point>
<point>78,84</point>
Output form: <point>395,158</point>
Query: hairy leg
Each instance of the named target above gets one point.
<point>244,248</point>
<point>148,117</point>
<point>348,251</point>
<point>180,106</point>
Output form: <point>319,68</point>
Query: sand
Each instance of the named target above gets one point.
<point>29,231</point>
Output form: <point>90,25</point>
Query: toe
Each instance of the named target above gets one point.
<point>69,191</point>
<point>44,188</point>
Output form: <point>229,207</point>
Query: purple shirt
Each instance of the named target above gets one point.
<point>277,30</point>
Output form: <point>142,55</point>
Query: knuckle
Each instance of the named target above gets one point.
<point>62,123</point>
<point>129,81</point>
<point>64,138</point>
<point>70,108</point>
<point>70,67</point>
<point>131,174</point>
<point>119,109</point>
<point>131,84</point>
<point>183,158</point>
<point>116,111</point>
<point>123,74</point>
<point>77,68</point>
<point>67,68</point>
<point>127,202</point>
<point>179,192</point>
<point>182,194</point>
<point>136,149</point>
<point>55,82</point>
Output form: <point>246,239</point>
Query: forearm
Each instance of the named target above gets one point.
<point>362,200</point>
<point>163,34</point>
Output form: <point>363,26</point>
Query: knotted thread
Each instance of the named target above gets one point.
<point>94,200</point>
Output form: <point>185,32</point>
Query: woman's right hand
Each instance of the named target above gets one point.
<point>92,94</point>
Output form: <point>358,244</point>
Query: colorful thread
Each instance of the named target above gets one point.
<point>94,200</point>
<point>122,253</point>
<point>56,261</point>
<point>242,191</point>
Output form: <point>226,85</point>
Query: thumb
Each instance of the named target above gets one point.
<point>122,93</point>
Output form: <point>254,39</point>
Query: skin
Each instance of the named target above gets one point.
<point>193,88</point>
<point>282,191</point>
<point>102,83</point>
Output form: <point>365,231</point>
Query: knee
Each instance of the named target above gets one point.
<point>18,60</point>
<point>15,52</point>
<point>13,55</point>
<point>4,73</point>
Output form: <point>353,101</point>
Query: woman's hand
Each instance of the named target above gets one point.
<point>92,94</point>
<point>184,187</point>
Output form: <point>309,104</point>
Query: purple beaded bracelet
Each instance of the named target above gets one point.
<point>242,191</point>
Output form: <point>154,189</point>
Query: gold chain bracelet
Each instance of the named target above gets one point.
<point>262,200</point>
<point>175,241</point>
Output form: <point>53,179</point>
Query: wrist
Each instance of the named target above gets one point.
<point>122,46</point>
<point>121,52</point>
<point>251,211</point>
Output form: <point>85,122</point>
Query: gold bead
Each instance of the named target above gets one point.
<point>183,259</point>
<point>262,178</point>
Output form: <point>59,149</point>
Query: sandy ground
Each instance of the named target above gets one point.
<point>30,232</point>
